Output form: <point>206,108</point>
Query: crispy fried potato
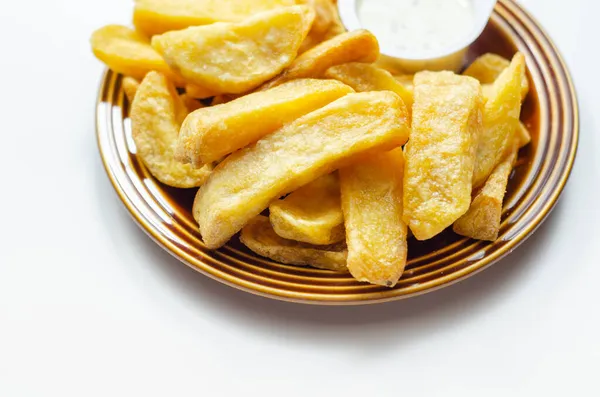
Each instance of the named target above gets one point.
<point>327,23</point>
<point>246,182</point>
<point>487,69</point>
<point>440,156</point>
<point>523,135</point>
<point>213,132</point>
<point>159,16</point>
<point>130,86</point>
<point>237,57</point>
<point>407,81</point>
<point>500,120</point>
<point>192,104</point>
<point>482,220</point>
<point>127,52</point>
<point>356,46</point>
<point>312,214</point>
<point>375,232</point>
<point>258,235</point>
<point>195,91</point>
<point>156,115</point>
<point>365,77</point>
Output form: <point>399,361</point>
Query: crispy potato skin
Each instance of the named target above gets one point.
<point>356,46</point>
<point>500,120</point>
<point>211,133</point>
<point>482,220</point>
<point>375,232</point>
<point>440,156</point>
<point>366,77</point>
<point>237,57</point>
<point>247,181</point>
<point>312,214</point>
<point>128,52</point>
<point>488,67</point>
<point>159,16</point>
<point>258,235</point>
<point>156,115</point>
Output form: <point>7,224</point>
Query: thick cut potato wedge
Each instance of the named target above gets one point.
<point>366,77</point>
<point>523,135</point>
<point>195,91</point>
<point>237,57</point>
<point>356,46</point>
<point>156,115</point>
<point>312,214</point>
<point>127,52</point>
<point>375,232</point>
<point>327,23</point>
<point>247,181</point>
<point>211,133</point>
<point>440,156</point>
<point>130,86</point>
<point>482,220</point>
<point>500,120</point>
<point>488,67</point>
<point>258,235</point>
<point>159,16</point>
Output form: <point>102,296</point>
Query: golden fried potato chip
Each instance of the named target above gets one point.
<point>365,77</point>
<point>127,52</point>
<point>156,115</point>
<point>500,120</point>
<point>356,46</point>
<point>213,132</point>
<point>159,16</point>
<point>195,91</point>
<point>130,86</point>
<point>440,156</point>
<point>487,69</point>
<point>247,181</point>
<point>312,214</point>
<point>258,236</point>
<point>327,23</point>
<point>237,57</point>
<point>482,220</point>
<point>375,232</point>
<point>523,135</point>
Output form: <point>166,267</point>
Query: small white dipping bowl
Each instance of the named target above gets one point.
<point>450,58</point>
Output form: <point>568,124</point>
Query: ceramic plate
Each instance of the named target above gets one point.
<point>550,112</point>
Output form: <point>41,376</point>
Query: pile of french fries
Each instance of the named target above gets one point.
<point>271,104</point>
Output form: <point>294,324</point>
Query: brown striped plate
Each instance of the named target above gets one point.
<point>550,112</point>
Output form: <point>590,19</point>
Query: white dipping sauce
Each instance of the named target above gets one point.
<point>417,27</point>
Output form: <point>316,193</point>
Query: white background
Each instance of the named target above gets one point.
<point>89,306</point>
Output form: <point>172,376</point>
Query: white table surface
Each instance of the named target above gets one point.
<point>89,306</point>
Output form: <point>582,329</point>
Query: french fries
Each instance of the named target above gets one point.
<point>488,67</point>
<point>375,232</point>
<point>327,23</point>
<point>482,220</point>
<point>500,120</point>
<point>237,57</point>
<point>127,52</point>
<point>357,46</point>
<point>211,133</point>
<point>440,155</point>
<point>366,77</point>
<point>312,214</point>
<point>156,115</point>
<point>159,16</point>
<point>258,236</point>
<point>130,86</point>
<point>523,135</point>
<point>246,182</point>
